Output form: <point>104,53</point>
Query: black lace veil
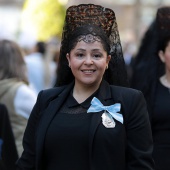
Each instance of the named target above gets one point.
<point>163,21</point>
<point>90,14</point>
<point>147,66</point>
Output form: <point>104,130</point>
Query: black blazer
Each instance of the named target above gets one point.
<point>128,146</point>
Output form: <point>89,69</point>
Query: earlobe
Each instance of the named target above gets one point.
<point>108,58</point>
<point>68,58</point>
<point>161,56</point>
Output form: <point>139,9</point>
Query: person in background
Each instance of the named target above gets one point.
<point>90,120</point>
<point>52,57</point>
<point>35,63</point>
<point>15,92</point>
<point>8,152</point>
<point>41,69</point>
<point>155,85</point>
<point>128,51</point>
<point>141,61</point>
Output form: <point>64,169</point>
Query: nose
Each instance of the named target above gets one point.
<point>88,60</point>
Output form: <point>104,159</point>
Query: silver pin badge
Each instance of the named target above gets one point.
<point>108,120</point>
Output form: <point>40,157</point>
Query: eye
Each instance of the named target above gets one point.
<point>97,56</point>
<point>79,55</point>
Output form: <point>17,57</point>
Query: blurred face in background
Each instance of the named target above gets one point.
<point>165,56</point>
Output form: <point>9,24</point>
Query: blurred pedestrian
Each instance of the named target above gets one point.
<point>52,57</point>
<point>154,65</point>
<point>15,92</point>
<point>141,61</point>
<point>8,152</point>
<point>35,63</point>
<point>41,69</point>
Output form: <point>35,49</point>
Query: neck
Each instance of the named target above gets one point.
<point>81,93</point>
<point>165,80</point>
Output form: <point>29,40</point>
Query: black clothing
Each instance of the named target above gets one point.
<point>126,146</point>
<point>8,152</point>
<point>68,135</point>
<point>161,128</point>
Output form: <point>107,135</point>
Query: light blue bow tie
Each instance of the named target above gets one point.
<point>97,106</point>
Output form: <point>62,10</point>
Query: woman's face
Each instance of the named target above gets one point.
<point>88,62</point>
<point>165,57</point>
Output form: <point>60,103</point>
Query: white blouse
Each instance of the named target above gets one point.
<point>24,100</point>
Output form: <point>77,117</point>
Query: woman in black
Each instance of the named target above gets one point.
<point>89,121</point>
<point>161,102</point>
<point>155,84</point>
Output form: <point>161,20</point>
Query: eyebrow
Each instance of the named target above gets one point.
<point>81,49</point>
<point>85,50</point>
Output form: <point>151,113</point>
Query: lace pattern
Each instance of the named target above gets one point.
<point>90,14</point>
<point>80,15</point>
<point>89,38</point>
<point>72,110</point>
<point>163,20</point>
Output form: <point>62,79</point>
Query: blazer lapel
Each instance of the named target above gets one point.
<point>104,95</point>
<point>47,116</point>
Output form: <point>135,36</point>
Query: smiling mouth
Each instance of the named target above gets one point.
<point>88,71</point>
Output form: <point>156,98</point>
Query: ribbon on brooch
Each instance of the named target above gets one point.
<point>97,106</point>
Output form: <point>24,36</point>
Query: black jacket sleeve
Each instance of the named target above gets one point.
<point>8,151</point>
<point>139,135</point>
<point>28,157</point>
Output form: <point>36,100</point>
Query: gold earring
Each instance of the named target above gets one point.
<point>106,67</point>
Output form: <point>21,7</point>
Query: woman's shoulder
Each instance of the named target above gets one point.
<point>48,95</point>
<point>124,90</point>
<point>132,101</point>
<point>126,94</point>
<point>53,91</point>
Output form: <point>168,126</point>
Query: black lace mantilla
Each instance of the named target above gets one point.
<point>86,14</point>
<point>77,16</point>
<point>89,38</point>
<point>163,20</point>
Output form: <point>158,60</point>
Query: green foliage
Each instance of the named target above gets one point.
<point>46,16</point>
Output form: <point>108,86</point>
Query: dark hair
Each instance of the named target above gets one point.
<point>164,42</point>
<point>12,64</point>
<point>115,74</point>
<point>41,47</point>
<point>144,61</point>
<point>147,67</point>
